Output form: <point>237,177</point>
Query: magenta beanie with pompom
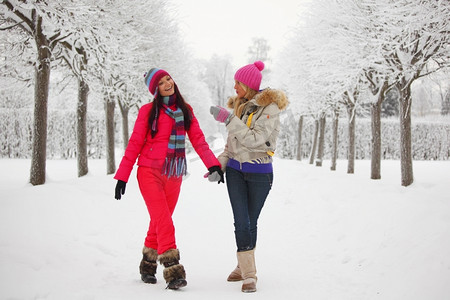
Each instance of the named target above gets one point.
<point>250,75</point>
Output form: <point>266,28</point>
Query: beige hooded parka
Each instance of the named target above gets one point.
<point>252,137</point>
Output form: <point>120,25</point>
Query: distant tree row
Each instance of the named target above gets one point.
<point>430,139</point>
<point>344,54</point>
<point>106,45</point>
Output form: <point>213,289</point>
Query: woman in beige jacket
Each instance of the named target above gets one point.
<point>253,127</point>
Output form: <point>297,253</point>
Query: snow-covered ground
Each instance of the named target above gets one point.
<point>322,235</point>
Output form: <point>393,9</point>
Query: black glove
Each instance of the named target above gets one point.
<point>120,189</point>
<point>216,174</point>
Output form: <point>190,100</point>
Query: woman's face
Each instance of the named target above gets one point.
<point>239,89</point>
<point>166,86</point>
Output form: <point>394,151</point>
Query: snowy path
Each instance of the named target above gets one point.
<point>322,235</point>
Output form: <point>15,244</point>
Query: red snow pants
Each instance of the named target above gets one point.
<point>160,194</point>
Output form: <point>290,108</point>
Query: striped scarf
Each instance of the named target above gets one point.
<point>175,163</point>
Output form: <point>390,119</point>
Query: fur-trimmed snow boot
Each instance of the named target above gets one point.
<point>174,272</point>
<point>235,275</point>
<point>247,265</point>
<point>148,265</point>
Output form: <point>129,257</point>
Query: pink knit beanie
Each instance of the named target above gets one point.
<point>152,77</point>
<point>250,75</point>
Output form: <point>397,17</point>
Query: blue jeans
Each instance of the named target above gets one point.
<point>247,192</point>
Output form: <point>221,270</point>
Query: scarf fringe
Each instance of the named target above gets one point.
<point>175,166</point>
<point>175,163</point>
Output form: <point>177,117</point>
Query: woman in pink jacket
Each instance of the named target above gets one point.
<point>158,143</point>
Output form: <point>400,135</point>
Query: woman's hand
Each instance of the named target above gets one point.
<point>120,189</point>
<point>221,114</point>
<point>215,174</point>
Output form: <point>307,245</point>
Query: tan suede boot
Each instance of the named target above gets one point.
<point>235,275</point>
<point>247,265</point>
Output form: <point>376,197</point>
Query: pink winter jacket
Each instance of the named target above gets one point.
<point>151,152</point>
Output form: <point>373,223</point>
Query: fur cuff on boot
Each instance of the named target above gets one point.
<point>150,254</point>
<point>148,265</point>
<point>174,272</point>
<point>170,257</point>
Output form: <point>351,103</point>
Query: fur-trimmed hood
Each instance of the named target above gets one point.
<point>254,128</point>
<point>264,98</point>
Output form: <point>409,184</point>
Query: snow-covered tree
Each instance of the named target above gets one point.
<point>326,63</point>
<point>259,50</point>
<point>75,51</point>
<point>415,32</point>
<point>445,109</point>
<point>218,77</point>
<point>346,47</point>
<point>48,24</point>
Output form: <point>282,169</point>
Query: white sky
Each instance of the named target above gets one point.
<point>227,27</point>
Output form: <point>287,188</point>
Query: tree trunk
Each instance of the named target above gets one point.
<point>351,138</point>
<point>110,155</point>
<point>376,132</point>
<point>299,138</point>
<point>376,140</point>
<point>321,146</point>
<point>42,81</point>
<point>83,91</point>
<point>405,133</point>
<point>125,131</point>
<point>334,149</point>
<point>314,142</point>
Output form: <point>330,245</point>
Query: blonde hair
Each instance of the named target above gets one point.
<point>240,103</point>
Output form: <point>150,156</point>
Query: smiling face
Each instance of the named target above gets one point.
<point>166,86</point>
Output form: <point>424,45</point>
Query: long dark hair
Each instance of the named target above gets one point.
<point>157,105</point>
